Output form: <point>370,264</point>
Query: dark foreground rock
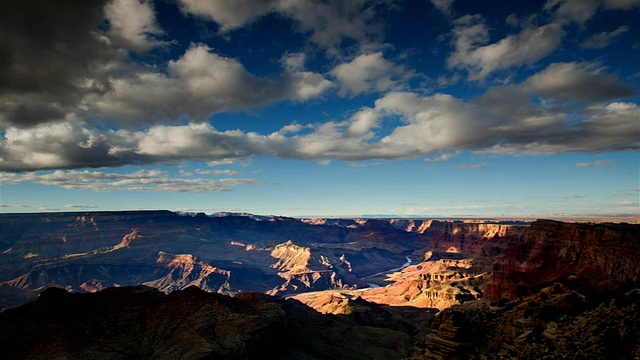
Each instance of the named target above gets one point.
<point>143,323</point>
<point>558,322</point>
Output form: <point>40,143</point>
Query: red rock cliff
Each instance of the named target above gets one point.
<point>472,237</point>
<point>606,256</point>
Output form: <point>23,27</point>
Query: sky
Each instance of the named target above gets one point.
<point>410,108</point>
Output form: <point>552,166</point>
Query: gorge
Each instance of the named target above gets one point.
<point>436,288</point>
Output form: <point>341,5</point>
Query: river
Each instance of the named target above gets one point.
<point>392,270</point>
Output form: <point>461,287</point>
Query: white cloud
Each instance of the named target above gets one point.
<point>578,11</point>
<point>220,162</point>
<point>218,172</point>
<point>474,53</point>
<point>133,22</point>
<point>143,180</point>
<point>603,39</point>
<point>61,145</point>
<point>576,82</point>
<point>443,5</point>
<point>229,14</point>
<point>291,129</point>
<point>362,122</point>
<point>480,59</point>
<point>198,141</point>
<point>526,118</point>
<point>367,73</point>
<point>293,62</point>
<point>434,124</point>
<point>327,22</point>
<point>83,74</point>
<point>442,157</point>
<point>304,85</point>
<point>199,84</point>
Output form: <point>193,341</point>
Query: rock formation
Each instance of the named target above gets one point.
<point>565,291</point>
<point>90,251</point>
<point>504,290</point>
<point>142,323</point>
<point>557,322</point>
<point>606,256</point>
<point>472,237</point>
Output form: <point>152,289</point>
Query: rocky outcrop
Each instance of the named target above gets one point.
<point>454,259</point>
<point>185,270</point>
<point>303,273</point>
<point>291,258</point>
<point>127,239</point>
<point>411,225</point>
<point>558,322</point>
<point>142,323</point>
<point>565,291</point>
<point>605,256</point>
<point>488,239</point>
<point>436,284</point>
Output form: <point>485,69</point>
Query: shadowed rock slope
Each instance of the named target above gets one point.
<point>557,322</point>
<point>567,291</point>
<point>143,323</point>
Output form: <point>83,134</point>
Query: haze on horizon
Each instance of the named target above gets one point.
<point>334,108</point>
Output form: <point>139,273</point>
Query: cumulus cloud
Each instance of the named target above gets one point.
<point>327,22</point>
<point>577,11</point>
<point>228,14</point>
<point>554,111</point>
<point>473,53</point>
<point>362,123</point>
<point>133,23</point>
<point>576,82</point>
<point>63,146</point>
<point>69,63</point>
<point>443,6</point>
<point>603,39</point>
<point>368,73</point>
<point>581,11</point>
<point>198,84</point>
<point>143,180</point>
<point>220,162</point>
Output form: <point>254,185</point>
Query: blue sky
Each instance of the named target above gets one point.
<point>332,108</point>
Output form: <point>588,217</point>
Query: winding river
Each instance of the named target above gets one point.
<point>392,270</point>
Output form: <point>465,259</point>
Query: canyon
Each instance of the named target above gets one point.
<point>436,288</point>
<point>230,253</point>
